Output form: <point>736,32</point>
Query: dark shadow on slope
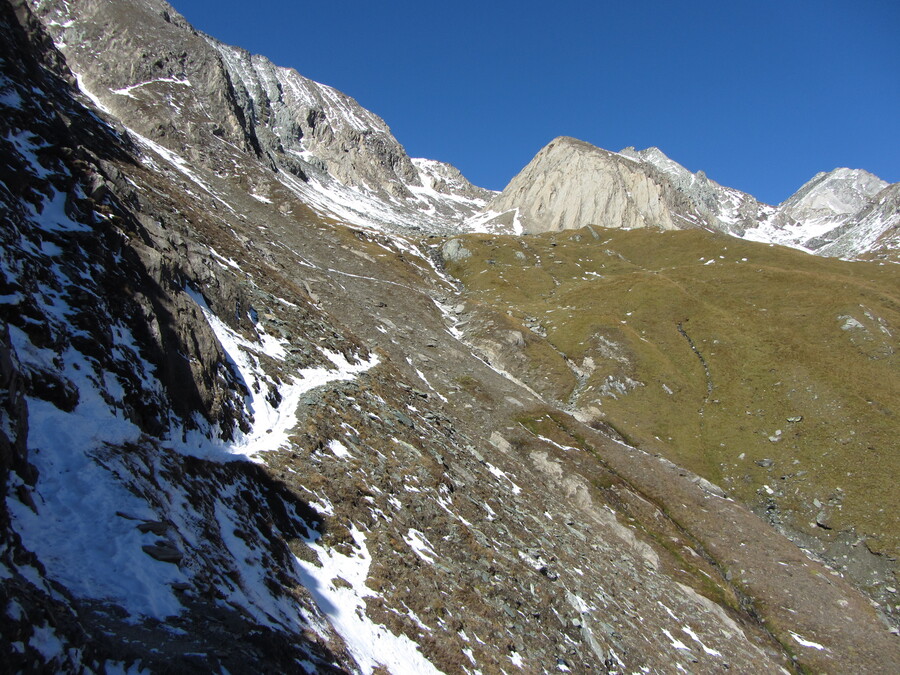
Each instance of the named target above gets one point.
<point>218,628</point>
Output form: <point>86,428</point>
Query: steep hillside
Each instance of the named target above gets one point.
<point>323,134</point>
<point>767,371</point>
<point>241,433</point>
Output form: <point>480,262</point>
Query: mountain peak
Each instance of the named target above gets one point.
<point>656,157</point>
<point>841,191</point>
<point>570,183</point>
<point>571,144</point>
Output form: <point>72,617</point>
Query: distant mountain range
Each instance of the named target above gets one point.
<point>569,184</point>
<point>343,160</point>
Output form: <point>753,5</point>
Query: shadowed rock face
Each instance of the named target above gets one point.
<point>152,71</point>
<point>236,434</point>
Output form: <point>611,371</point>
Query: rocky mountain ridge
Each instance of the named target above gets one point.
<point>241,432</point>
<point>570,184</point>
<point>343,160</point>
<point>835,204</point>
<point>725,209</point>
<point>330,133</point>
<point>205,101</point>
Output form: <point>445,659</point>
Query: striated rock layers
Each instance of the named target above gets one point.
<point>833,196</point>
<point>724,208</point>
<point>570,184</point>
<point>296,118</point>
<point>843,212</point>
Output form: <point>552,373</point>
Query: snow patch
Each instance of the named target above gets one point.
<point>338,585</point>
<point>272,404</point>
<point>693,636</point>
<point>806,643</point>
<point>420,545</point>
<point>503,475</point>
<point>339,449</point>
<point>676,643</point>
<point>126,91</point>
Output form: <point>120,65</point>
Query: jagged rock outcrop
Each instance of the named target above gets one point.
<point>309,127</point>
<point>873,231</point>
<point>831,206</point>
<point>570,184</point>
<point>295,116</point>
<point>830,198</point>
<point>152,70</point>
<point>447,180</point>
<point>841,213</point>
<point>725,209</point>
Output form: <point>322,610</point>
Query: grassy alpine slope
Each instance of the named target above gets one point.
<point>768,371</point>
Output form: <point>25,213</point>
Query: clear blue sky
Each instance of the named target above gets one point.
<point>759,94</point>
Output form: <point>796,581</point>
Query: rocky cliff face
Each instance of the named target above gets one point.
<point>874,230</point>
<point>238,435</point>
<point>570,184</point>
<point>849,205</point>
<point>313,127</point>
<point>844,204</point>
<point>833,196</point>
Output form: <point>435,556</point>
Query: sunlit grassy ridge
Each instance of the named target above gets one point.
<point>771,372</point>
